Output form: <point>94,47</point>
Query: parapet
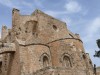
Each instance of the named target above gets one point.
<point>78,36</point>
<point>15,10</point>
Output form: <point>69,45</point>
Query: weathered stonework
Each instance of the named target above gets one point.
<point>98,70</point>
<point>39,44</point>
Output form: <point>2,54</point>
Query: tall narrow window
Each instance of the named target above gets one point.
<point>34,26</point>
<point>66,61</point>
<point>45,61</point>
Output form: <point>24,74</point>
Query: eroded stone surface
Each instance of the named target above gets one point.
<point>41,45</point>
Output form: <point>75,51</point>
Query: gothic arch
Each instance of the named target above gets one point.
<point>45,59</point>
<point>66,60</point>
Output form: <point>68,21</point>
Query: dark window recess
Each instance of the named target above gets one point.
<point>5,61</point>
<point>66,62</point>
<point>9,33</point>
<point>25,31</point>
<point>17,33</point>
<point>31,26</point>
<point>34,26</point>
<point>45,61</point>
<point>19,28</point>
<point>54,27</point>
<point>84,57</point>
<point>90,62</point>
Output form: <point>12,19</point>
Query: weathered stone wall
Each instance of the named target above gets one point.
<point>98,70</point>
<point>34,28</point>
<point>31,58</point>
<point>44,46</point>
<point>59,71</point>
<point>4,32</point>
<point>10,59</point>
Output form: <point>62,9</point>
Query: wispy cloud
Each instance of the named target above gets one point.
<point>67,20</point>
<point>92,29</point>
<point>95,26</point>
<point>92,33</point>
<point>70,7</point>
<point>21,4</point>
<point>9,3</point>
<point>55,13</point>
<point>28,6</point>
<point>73,7</point>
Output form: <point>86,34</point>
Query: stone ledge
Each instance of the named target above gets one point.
<point>58,69</point>
<point>8,48</point>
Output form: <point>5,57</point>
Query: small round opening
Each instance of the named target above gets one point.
<point>54,27</point>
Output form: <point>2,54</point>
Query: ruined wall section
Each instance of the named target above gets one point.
<point>15,19</point>
<point>10,61</point>
<point>49,29</point>
<point>31,58</point>
<point>70,47</point>
<point>38,28</point>
<point>44,42</point>
<point>89,64</point>
<point>83,59</point>
<point>22,25</point>
<point>59,71</point>
<point>4,32</point>
<point>14,62</point>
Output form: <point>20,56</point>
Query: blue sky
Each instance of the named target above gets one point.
<point>81,16</point>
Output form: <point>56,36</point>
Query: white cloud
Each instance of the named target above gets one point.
<point>67,20</point>
<point>55,13</point>
<point>92,30</point>
<point>9,3</point>
<point>92,33</point>
<point>95,26</point>
<point>73,7</point>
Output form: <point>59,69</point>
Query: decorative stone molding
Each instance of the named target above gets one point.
<point>7,48</point>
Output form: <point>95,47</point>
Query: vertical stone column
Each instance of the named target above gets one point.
<point>15,18</point>
<point>4,32</point>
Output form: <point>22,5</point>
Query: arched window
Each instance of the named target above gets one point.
<point>45,61</point>
<point>66,62</point>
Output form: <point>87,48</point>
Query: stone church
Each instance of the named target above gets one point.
<point>39,44</point>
